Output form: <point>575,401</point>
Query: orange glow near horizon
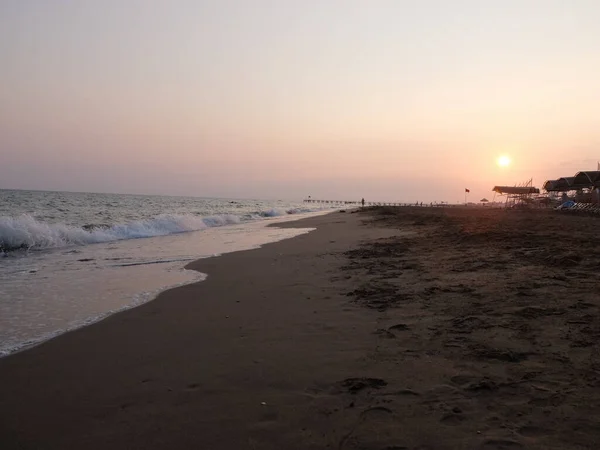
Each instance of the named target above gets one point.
<point>235,99</point>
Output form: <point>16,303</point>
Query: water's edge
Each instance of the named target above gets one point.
<point>146,297</point>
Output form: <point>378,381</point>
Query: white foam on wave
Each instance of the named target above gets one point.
<point>277,212</point>
<point>90,283</point>
<point>26,232</point>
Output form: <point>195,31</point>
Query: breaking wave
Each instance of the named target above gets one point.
<point>25,232</point>
<point>276,212</point>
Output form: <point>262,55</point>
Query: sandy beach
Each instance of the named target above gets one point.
<point>386,329</point>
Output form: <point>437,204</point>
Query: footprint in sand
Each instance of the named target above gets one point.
<point>354,385</point>
<point>474,384</point>
<point>532,431</point>
<point>399,327</point>
<point>500,444</point>
<point>374,429</point>
<point>503,355</point>
<point>376,410</point>
<point>386,334</point>
<point>453,419</point>
<point>462,380</point>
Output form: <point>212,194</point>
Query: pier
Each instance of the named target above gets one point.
<point>359,203</point>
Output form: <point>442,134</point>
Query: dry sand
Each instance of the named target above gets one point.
<point>408,328</point>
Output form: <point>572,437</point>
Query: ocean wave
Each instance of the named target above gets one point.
<point>25,232</point>
<point>277,212</point>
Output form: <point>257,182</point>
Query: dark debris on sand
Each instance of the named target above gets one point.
<point>493,314</point>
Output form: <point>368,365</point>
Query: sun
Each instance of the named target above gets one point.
<point>503,161</point>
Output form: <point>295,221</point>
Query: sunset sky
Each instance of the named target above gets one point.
<point>389,100</point>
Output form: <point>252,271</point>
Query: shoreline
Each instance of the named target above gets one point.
<point>143,297</point>
<point>92,320</point>
<point>380,329</point>
<point>132,362</point>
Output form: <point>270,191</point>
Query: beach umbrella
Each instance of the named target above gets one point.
<point>484,200</point>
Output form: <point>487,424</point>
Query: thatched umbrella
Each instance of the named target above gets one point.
<point>484,200</point>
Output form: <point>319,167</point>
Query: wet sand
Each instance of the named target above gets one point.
<point>407,328</point>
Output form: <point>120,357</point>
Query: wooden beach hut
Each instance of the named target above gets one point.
<point>517,195</point>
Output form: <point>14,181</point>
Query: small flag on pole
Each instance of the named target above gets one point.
<point>466,190</point>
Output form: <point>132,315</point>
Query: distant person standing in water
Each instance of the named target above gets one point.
<point>363,202</point>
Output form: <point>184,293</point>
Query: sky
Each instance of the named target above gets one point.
<point>391,100</point>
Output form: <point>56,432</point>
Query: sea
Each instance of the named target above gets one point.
<point>70,259</point>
